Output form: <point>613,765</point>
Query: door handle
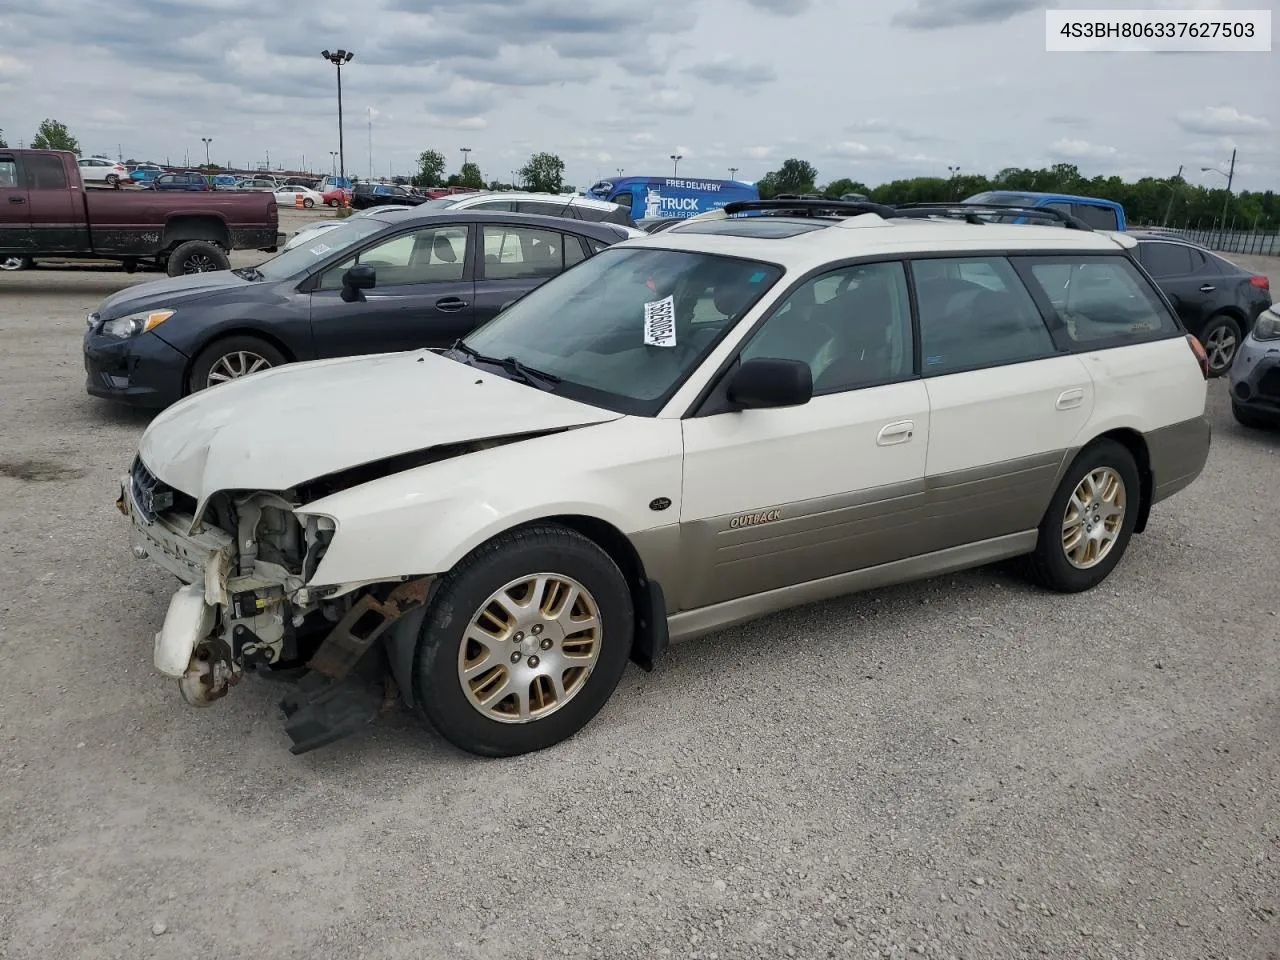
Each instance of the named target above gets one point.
<point>899,432</point>
<point>1070,399</point>
<point>451,304</point>
<point>17,199</point>
<point>1208,288</point>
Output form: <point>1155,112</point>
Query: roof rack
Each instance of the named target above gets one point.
<point>813,208</point>
<point>974,212</point>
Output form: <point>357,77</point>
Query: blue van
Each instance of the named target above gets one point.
<point>661,198</point>
<point>1099,214</point>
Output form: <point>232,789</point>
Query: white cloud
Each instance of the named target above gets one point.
<point>1222,120</point>
<point>758,153</point>
<point>1080,149</point>
<point>644,136</point>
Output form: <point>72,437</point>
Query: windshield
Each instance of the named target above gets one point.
<point>303,257</point>
<point>624,329</point>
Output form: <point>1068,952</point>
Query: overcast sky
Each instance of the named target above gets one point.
<point>870,89</point>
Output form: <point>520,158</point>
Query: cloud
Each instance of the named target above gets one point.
<point>644,136</point>
<point>854,150</point>
<point>938,14</point>
<point>902,132</point>
<point>734,73</point>
<point>1221,120</point>
<point>781,7</point>
<point>11,68</point>
<point>456,123</point>
<point>1067,120</point>
<point>1080,150</point>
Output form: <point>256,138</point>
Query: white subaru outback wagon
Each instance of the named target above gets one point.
<point>765,406</point>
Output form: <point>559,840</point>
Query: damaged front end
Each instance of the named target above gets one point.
<point>246,559</point>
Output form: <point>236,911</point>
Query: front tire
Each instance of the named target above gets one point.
<point>308,202</point>
<point>1090,519</point>
<point>524,642</point>
<point>231,359</point>
<point>331,203</point>
<point>113,181</point>
<point>197,256</point>
<point>1221,340</point>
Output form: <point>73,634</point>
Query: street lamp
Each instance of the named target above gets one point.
<point>1226,202</point>
<point>333,160</point>
<point>466,154</point>
<point>733,173</point>
<point>619,171</point>
<point>338,58</point>
<point>206,141</point>
<point>675,163</point>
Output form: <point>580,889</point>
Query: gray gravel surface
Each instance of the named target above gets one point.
<point>964,768</point>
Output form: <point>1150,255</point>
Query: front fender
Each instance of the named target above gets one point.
<point>426,519</point>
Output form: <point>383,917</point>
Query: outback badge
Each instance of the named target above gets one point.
<point>755,519</point>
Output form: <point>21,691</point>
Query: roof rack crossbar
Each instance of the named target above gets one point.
<point>972,212</point>
<point>812,208</point>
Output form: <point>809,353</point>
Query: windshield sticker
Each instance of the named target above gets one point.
<point>660,322</point>
<point>320,249</point>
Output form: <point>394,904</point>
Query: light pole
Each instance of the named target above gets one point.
<point>619,171</point>
<point>370,111</point>
<point>675,163</point>
<point>466,154</point>
<point>206,141</point>
<point>338,58</point>
<point>733,173</point>
<point>1230,177</point>
<point>1173,192</point>
<point>954,171</point>
<point>333,155</point>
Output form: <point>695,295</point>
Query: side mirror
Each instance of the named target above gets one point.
<point>356,280</point>
<point>767,382</point>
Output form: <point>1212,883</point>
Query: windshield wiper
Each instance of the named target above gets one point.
<point>534,378</point>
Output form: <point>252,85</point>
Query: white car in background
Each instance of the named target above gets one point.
<point>679,434</point>
<point>312,230</point>
<point>102,170</point>
<point>547,204</point>
<point>289,196</point>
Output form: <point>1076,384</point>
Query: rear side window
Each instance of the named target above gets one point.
<point>1165,259</point>
<point>573,252</point>
<point>1100,218</point>
<point>1101,301</point>
<point>519,253</point>
<point>44,173</point>
<point>545,208</point>
<point>976,312</point>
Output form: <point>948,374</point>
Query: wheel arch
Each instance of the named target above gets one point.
<point>180,228</point>
<point>1133,441</point>
<point>226,333</point>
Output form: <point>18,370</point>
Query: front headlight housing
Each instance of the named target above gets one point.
<point>1268,326</point>
<point>135,323</point>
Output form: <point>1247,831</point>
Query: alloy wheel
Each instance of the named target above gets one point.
<point>199,263</point>
<point>1220,345</point>
<point>233,366</point>
<point>530,648</point>
<point>1094,518</point>
<point>12,263</point>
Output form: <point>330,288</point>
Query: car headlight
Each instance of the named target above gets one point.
<point>1267,326</point>
<point>135,323</point>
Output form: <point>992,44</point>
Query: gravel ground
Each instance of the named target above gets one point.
<point>961,768</point>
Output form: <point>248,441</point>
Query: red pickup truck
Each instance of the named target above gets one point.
<point>46,211</point>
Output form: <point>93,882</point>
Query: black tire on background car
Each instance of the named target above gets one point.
<point>308,202</point>
<point>16,263</point>
<point>1221,340</point>
<point>1089,521</point>
<point>196,256</point>
<point>532,605</point>
<point>232,358</point>
<point>113,181</point>
<point>1251,418</point>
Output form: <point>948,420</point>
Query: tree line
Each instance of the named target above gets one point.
<point>1150,201</point>
<point>544,173</point>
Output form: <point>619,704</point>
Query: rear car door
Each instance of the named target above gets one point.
<point>424,295</point>
<point>15,208</point>
<point>514,259</point>
<point>1006,403</point>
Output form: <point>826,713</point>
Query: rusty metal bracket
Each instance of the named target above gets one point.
<point>353,635</point>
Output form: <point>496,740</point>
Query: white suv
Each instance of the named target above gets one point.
<point>686,431</point>
<point>546,204</point>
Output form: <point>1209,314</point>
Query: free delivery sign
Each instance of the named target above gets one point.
<point>661,198</point>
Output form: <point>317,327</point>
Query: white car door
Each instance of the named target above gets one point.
<point>777,497</point>
<point>1006,404</point>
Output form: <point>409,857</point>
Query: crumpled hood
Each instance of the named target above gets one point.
<point>172,291</point>
<point>280,428</point>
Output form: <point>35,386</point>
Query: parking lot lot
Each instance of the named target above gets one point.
<point>962,768</point>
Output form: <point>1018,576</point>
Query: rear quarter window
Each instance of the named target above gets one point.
<point>1099,301</point>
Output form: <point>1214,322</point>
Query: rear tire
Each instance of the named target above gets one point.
<point>230,359</point>
<point>331,203</point>
<point>530,696</point>
<point>1221,338</point>
<point>308,202</point>
<point>1082,537</point>
<point>196,256</point>
<point>1251,418</point>
<point>113,181</point>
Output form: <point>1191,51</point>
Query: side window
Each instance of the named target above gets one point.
<point>1100,218</point>
<point>544,208</point>
<point>852,327</point>
<point>573,252</point>
<point>435,255</point>
<point>491,206</point>
<point>512,253</point>
<point>1102,299</point>
<point>595,246</point>
<point>8,173</point>
<point>45,173</point>
<point>1166,259</point>
<point>976,313</point>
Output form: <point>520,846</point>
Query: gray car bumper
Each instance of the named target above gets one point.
<point>1255,376</point>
